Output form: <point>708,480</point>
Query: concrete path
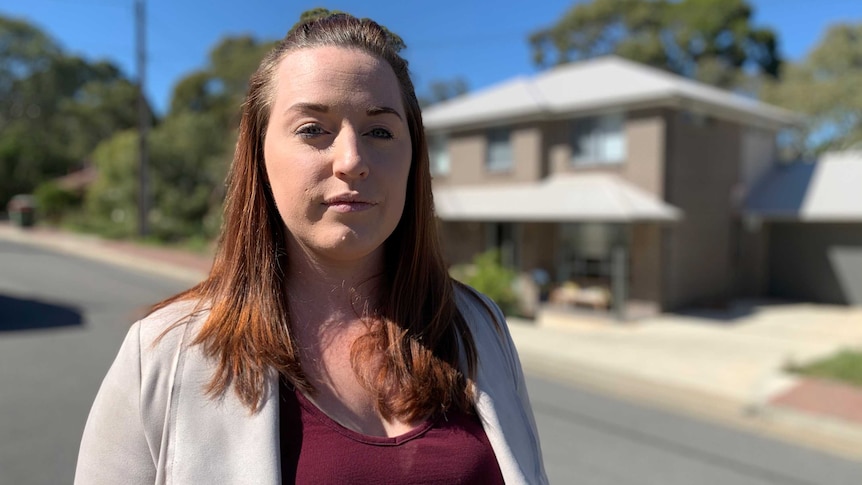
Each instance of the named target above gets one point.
<point>730,369</point>
<point>726,366</point>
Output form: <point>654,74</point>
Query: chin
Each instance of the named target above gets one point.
<point>349,246</point>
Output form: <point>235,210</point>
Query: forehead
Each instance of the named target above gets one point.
<point>335,76</point>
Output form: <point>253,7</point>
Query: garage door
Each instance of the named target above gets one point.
<point>820,262</point>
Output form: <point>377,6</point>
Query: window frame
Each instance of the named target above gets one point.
<point>496,137</point>
<point>605,137</point>
<point>438,148</point>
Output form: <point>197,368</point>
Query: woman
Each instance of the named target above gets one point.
<point>328,344</point>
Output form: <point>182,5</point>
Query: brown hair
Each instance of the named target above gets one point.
<point>422,338</point>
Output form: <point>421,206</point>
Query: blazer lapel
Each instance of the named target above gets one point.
<point>220,440</point>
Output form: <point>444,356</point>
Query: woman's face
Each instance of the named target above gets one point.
<point>337,152</point>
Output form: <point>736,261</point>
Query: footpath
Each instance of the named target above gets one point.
<point>726,366</point>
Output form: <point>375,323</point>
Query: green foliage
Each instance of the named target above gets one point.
<point>709,40</point>
<point>233,60</point>
<point>193,93</point>
<point>218,90</point>
<point>186,168</point>
<point>189,159</point>
<point>96,111</point>
<point>54,108</point>
<point>441,90</point>
<point>845,366</point>
<point>54,202</point>
<point>489,276</point>
<point>825,87</point>
<point>111,201</point>
<point>193,146</point>
<point>23,50</point>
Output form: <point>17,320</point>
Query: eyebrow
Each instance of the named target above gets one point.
<point>322,108</point>
<point>379,110</point>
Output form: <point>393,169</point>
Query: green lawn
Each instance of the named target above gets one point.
<point>845,366</point>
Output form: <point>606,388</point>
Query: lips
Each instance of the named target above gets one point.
<point>348,203</point>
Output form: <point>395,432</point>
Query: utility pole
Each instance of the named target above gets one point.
<point>143,120</point>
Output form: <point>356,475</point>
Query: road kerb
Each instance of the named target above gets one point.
<point>796,428</point>
<point>90,247</point>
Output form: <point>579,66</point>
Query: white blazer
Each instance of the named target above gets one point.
<point>151,422</point>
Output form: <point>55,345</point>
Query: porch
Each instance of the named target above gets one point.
<point>589,243</point>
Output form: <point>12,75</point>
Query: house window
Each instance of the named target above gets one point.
<point>499,157</point>
<point>599,139</point>
<point>439,154</point>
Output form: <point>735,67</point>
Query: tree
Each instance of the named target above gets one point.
<point>709,40</point>
<point>193,93</point>
<point>220,88</point>
<point>187,160</point>
<point>441,90</point>
<point>23,50</point>
<point>111,202</point>
<point>189,157</point>
<point>54,108</point>
<point>192,147</point>
<point>190,150</point>
<point>826,86</point>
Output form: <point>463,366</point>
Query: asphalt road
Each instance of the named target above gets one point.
<point>592,439</point>
<point>62,319</point>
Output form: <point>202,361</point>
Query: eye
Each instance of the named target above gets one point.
<point>310,130</point>
<point>381,133</point>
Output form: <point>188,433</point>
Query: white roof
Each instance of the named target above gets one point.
<point>829,190</point>
<point>602,83</point>
<point>569,197</point>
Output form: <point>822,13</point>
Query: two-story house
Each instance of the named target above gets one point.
<point>608,173</point>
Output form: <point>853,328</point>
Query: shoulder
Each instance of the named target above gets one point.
<point>164,334</point>
<point>488,327</point>
<point>486,321</point>
<point>167,324</point>
<point>479,310</point>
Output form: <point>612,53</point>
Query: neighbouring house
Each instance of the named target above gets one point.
<point>806,218</point>
<point>613,177</point>
<point>78,181</point>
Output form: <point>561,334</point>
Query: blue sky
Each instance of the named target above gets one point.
<point>482,41</point>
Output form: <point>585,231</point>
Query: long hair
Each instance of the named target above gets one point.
<point>412,359</point>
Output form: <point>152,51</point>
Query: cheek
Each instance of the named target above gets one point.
<point>289,175</point>
<point>287,186</point>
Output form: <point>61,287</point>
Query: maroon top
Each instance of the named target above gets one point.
<point>450,449</point>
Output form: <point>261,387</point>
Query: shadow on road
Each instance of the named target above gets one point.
<point>20,314</point>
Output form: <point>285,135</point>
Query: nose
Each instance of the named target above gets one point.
<point>349,162</point>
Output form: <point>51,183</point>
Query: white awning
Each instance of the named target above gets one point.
<point>561,198</point>
<point>829,190</point>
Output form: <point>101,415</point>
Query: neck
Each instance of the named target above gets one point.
<point>323,291</point>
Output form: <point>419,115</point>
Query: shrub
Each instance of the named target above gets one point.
<point>55,202</point>
<point>488,275</point>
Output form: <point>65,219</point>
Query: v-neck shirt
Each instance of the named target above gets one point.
<point>450,448</point>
